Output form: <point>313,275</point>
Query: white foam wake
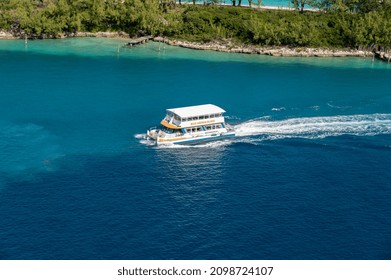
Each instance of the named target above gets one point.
<point>317,127</point>
<point>261,129</point>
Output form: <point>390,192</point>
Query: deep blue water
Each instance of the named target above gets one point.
<point>307,178</point>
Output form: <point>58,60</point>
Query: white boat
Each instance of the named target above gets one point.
<point>191,125</point>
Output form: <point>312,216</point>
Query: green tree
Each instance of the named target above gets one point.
<point>299,4</point>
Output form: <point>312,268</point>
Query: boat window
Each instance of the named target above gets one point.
<point>193,130</point>
<point>195,118</point>
<point>198,129</point>
<point>208,127</point>
<point>168,130</point>
<point>218,126</point>
<point>201,117</point>
<point>207,117</point>
<point>188,130</point>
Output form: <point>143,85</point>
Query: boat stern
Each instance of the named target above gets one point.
<point>153,133</point>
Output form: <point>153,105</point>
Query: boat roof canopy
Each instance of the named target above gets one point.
<point>193,111</point>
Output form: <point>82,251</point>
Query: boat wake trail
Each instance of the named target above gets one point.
<point>143,140</point>
<point>263,129</point>
<point>316,127</point>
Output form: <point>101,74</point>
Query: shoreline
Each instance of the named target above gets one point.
<point>231,47</point>
<point>220,46</point>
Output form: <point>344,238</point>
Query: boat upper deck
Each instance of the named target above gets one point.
<point>194,111</point>
<point>193,115</point>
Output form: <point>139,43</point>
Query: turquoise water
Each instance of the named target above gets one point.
<point>306,178</point>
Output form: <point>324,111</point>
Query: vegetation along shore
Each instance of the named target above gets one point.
<point>329,28</point>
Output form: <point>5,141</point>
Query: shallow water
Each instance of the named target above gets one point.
<point>306,178</point>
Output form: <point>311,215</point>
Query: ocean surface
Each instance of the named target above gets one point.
<point>308,176</point>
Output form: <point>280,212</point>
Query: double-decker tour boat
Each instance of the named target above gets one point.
<point>191,125</point>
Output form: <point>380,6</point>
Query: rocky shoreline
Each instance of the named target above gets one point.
<point>272,51</point>
<point>230,47</point>
<point>221,46</point>
<point>6,35</point>
<point>386,56</point>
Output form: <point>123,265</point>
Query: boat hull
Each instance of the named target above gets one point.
<point>183,140</point>
<point>200,140</point>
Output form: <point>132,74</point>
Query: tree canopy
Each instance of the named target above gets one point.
<point>335,23</point>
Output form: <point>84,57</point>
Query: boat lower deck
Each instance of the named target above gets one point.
<point>200,140</point>
<point>162,138</point>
